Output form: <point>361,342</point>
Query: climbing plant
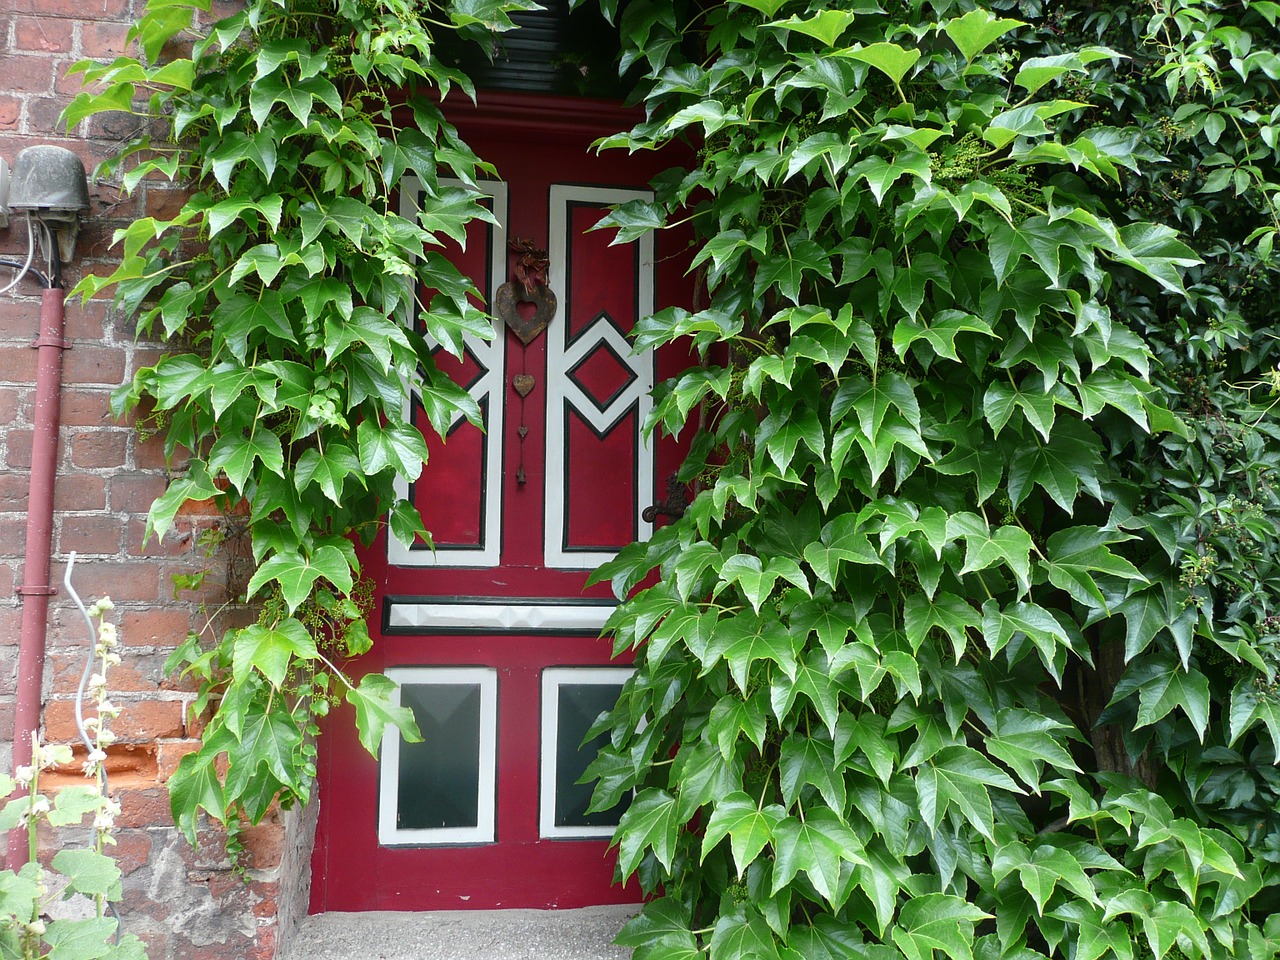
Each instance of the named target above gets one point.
<point>281,288</point>
<point>968,644</point>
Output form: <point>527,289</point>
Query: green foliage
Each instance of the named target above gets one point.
<point>283,285</point>
<point>967,645</point>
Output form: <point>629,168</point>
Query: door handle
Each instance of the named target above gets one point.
<point>674,506</point>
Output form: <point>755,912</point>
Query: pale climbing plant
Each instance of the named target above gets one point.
<point>27,929</point>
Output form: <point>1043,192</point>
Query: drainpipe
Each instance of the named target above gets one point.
<point>36,588</point>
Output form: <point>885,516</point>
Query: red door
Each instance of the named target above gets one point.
<point>492,636</point>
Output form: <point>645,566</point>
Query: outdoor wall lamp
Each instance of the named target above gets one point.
<point>50,186</point>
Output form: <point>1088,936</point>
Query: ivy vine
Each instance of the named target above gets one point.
<point>968,645</point>
<point>288,274</point>
<point>969,642</point>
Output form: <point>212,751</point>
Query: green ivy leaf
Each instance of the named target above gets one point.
<point>937,922</point>
<point>375,712</point>
<point>297,573</point>
<point>817,845</point>
<point>960,776</point>
<point>649,823</point>
<point>977,30</point>
<point>748,826</point>
<point>391,446</point>
<point>1162,685</point>
<point>271,650</point>
<point>889,58</point>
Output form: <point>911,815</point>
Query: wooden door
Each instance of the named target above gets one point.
<point>492,636</point>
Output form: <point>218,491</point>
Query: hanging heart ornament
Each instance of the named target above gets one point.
<point>523,383</point>
<point>507,305</point>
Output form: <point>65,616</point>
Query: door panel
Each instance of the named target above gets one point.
<point>494,636</point>
<point>459,506</point>
<point>599,473</point>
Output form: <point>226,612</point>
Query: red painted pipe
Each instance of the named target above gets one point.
<point>36,588</point>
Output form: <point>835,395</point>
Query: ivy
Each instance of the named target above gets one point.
<point>287,277</point>
<point>972,625</point>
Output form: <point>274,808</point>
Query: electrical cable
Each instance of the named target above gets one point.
<point>31,252</point>
<point>31,271</point>
<point>54,258</point>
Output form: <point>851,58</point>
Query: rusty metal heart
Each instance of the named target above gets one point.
<point>507,306</point>
<point>524,383</point>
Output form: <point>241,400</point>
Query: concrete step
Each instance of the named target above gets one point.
<point>585,934</point>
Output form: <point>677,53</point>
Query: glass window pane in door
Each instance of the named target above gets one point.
<point>439,778</point>
<point>580,704</point>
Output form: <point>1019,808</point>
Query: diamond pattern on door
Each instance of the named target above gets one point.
<point>598,462</point>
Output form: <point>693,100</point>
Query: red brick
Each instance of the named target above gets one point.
<point>45,114</point>
<point>149,720</point>
<point>42,34</point>
<point>169,755</point>
<point>101,40</point>
<point>127,765</point>
<point>13,491</point>
<point>26,74</point>
<point>85,321</point>
<point>99,448</point>
<point>164,204</point>
<point>10,111</point>
<point>265,844</point>
<point>10,623</point>
<point>137,674</point>
<point>19,319</point>
<point>99,534</point>
<point>221,9</point>
<point>146,357</point>
<point>9,404</point>
<point>148,454</point>
<point>132,851</point>
<point>9,655</point>
<point>7,578</point>
<point>84,364</point>
<point>13,533</point>
<point>135,493</point>
<point>67,85</point>
<point>119,580</point>
<point>20,448</point>
<point>156,944</point>
<point>115,125</point>
<point>165,627</point>
<point>79,492</point>
<point>18,364</point>
<point>86,408</point>
<point>113,210</point>
<point>178,542</point>
<point>96,241</point>
<point>144,808</point>
<point>72,9</point>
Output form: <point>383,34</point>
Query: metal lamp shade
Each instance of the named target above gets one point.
<point>49,180</point>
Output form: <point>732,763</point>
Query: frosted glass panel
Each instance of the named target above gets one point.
<point>439,778</point>
<point>579,705</point>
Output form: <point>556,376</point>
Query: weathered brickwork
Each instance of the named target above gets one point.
<point>185,903</point>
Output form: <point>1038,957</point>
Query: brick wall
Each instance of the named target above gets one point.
<point>184,902</point>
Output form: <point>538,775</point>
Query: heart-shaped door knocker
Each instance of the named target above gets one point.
<point>523,382</point>
<point>511,295</point>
